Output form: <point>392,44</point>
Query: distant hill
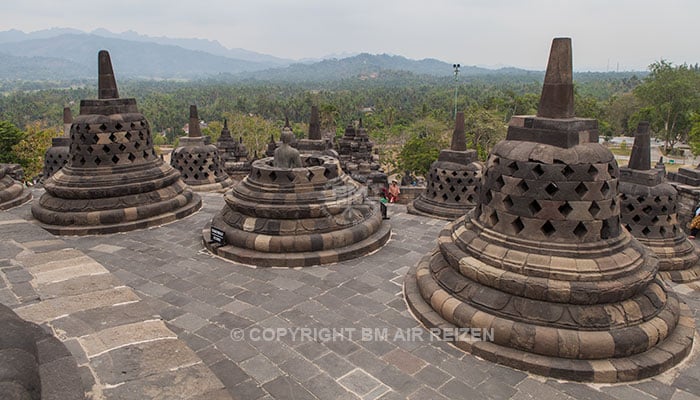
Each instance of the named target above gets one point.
<point>130,59</point>
<point>369,67</point>
<point>209,46</point>
<point>67,54</point>
<point>48,68</point>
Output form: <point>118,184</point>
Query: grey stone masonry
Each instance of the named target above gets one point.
<point>12,192</point>
<point>203,299</point>
<point>123,349</point>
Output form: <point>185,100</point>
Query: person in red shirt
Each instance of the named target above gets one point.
<point>394,192</point>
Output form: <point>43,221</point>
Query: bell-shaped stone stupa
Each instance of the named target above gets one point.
<point>648,211</point>
<point>540,275</point>
<point>114,180</point>
<point>198,160</point>
<point>453,182</point>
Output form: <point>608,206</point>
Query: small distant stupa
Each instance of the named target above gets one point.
<point>453,181</point>
<point>57,155</point>
<point>198,160</point>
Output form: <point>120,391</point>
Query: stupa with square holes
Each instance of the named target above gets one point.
<point>453,181</point>
<point>113,181</point>
<point>542,267</point>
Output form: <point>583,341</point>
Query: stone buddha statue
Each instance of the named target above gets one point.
<point>287,156</point>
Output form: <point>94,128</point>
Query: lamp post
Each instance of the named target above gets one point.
<point>456,68</point>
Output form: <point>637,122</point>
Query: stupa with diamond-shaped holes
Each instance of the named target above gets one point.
<point>198,160</point>
<point>541,269</point>
<point>453,182</point>
<point>648,211</point>
<point>114,181</point>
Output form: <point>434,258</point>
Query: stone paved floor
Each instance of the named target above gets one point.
<point>208,302</point>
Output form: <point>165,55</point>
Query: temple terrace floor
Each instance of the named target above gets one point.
<point>341,331</point>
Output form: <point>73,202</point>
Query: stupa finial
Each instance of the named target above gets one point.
<point>640,158</point>
<point>459,140</point>
<point>194,122</point>
<point>106,83</point>
<point>557,100</point>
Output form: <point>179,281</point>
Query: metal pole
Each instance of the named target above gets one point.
<point>456,68</point>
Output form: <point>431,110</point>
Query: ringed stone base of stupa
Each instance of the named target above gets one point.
<point>12,193</point>
<point>678,258</point>
<point>428,208</point>
<point>185,204</point>
<point>261,258</point>
<point>618,322</point>
<point>611,370</point>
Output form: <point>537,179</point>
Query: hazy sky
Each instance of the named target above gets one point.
<point>607,34</point>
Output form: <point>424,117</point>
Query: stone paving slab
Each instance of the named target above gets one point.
<point>124,350</point>
<point>207,301</point>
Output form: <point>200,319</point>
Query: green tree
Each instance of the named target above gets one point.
<point>484,128</point>
<point>31,149</point>
<point>10,136</point>
<point>427,137</point>
<point>672,92</point>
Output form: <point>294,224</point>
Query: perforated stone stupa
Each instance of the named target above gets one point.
<point>57,155</point>
<point>12,192</point>
<point>648,211</point>
<point>453,182</point>
<point>541,268</point>
<point>114,181</point>
<point>233,154</point>
<point>295,217</point>
<point>198,160</point>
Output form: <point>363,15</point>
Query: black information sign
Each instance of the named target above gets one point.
<point>218,236</point>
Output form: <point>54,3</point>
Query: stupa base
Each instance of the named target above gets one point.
<point>299,259</point>
<point>445,212</point>
<point>659,358</point>
<point>191,206</point>
<point>682,276</point>
<point>22,197</point>
<point>218,187</point>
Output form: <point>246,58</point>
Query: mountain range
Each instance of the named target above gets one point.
<point>70,54</point>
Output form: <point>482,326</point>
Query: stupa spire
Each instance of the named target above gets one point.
<point>314,124</point>
<point>106,83</point>
<point>459,140</point>
<point>640,159</point>
<point>67,121</point>
<point>225,133</point>
<point>557,100</point>
<point>194,122</point>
